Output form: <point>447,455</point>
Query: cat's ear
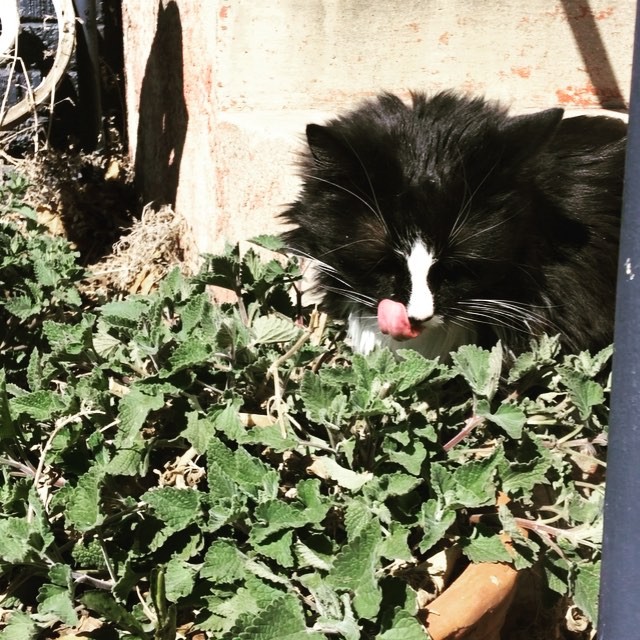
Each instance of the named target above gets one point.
<point>525,135</point>
<point>325,147</point>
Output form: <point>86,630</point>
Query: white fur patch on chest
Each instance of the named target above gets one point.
<point>419,262</point>
<point>437,339</point>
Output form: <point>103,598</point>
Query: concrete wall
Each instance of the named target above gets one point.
<point>251,74</point>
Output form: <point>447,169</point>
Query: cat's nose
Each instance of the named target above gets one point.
<point>419,320</point>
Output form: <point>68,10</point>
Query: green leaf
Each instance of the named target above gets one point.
<point>404,627</point>
<point>117,615</point>
<point>56,601</point>
<point>412,370</point>
<point>508,417</point>
<point>435,520</point>
<point>321,401</point>
<point>354,569</point>
<point>176,507</point>
<point>282,619</point>
<point>223,563</point>
<point>187,355</point>
<point>485,548</point>
<point>272,243</point>
<point>356,518</point>
<point>410,457</point>
<point>586,589</point>
<point>278,548</point>
<point>229,471</point>
<point>134,409</point>
<point>14,539</point>
<point>272,328</point>
<point>82,508</point>
<point>125,313</point>
<point>199,431</point>
<point>585,394</point>
<point>20,626</point>
<point>179,577</point>
<point>7,430</point>
<point>474,485</point>
<point>40,405</point>
<point>480,368</point>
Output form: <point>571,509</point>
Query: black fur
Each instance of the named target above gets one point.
<point>521,209</point>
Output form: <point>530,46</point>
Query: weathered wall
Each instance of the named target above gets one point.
<point>219,92</point>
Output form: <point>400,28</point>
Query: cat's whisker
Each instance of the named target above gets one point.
<point>375,210</point>
<point>352,295</point>
<point>515,315</point>
<point>465,209</point>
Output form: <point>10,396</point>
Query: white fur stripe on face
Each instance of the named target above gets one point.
<point>419,261</point>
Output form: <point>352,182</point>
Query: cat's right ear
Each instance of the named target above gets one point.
<point>325,147</point>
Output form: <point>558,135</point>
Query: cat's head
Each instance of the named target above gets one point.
<point>420,207</point>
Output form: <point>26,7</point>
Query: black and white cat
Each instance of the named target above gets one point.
<point>448,221</point>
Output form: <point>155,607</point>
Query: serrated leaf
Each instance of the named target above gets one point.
<point>14,539</point>
<point>308,557</point>
<point>404,627</point>
<point>123,313</point>
<point>354,569</point>
<point>104,604</point>
<point>56,601</point>
<point>133,412</point>
<point>7,429</point>
<point>435,520</point>
<point>278,548</point>
<point>20,626</point>
<point>244,471</point>
<point>356,518</point>
<point>395,545</point>
<point>321,401</point>
<point>270,329</point>
<point>82,509</point>
<point>175,507</point>
<point>221,271</point>
<point>508,417</point>
<point>480,368</point>
<point>586,589</point>
<point>223,563</point>
<point>187,355</point>
<point>485,548</point>
<point>34,371</point>
<point>585,394</point>
<point>474,483</point>
<point>193,313</point>
<point>272,243</point>
<point>40,405</point>
<point>412,370</point>
<point>199,431</point>
<point>282,619</point>
<point>21,306</point>
<point>179,578</point>
<point>410,457</point>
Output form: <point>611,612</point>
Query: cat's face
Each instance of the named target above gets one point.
<point>416,215</point>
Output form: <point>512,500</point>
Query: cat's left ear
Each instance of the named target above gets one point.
<point>324,146</point>
<point>526,135</point>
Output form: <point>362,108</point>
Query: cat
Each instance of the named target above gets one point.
<point>448,221</point>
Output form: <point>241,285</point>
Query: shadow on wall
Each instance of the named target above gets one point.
<point>163,116</point>
<point>583,23</point>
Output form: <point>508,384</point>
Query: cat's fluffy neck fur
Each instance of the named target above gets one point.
<point>435,342</point>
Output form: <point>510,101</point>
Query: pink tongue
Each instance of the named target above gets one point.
<point>394,321</point>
